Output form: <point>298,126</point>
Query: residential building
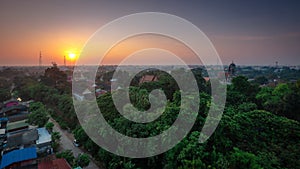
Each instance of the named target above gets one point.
<point>20,159</point>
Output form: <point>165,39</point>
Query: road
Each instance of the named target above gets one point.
<point>66,143</point>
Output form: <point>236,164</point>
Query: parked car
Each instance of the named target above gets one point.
<point>76,143</point>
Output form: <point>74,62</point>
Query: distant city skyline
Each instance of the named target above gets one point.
<point>246,32</point>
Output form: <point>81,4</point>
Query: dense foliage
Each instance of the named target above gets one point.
<point>259,128</point>
<point>250,134</point>
<point>38,114</point>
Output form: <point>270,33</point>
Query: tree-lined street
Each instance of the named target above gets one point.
<point>66,143</point>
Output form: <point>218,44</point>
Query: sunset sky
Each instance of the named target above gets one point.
<point>247,32</point>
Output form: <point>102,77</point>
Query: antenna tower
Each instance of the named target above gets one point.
<point>40,59</point>
<point>65,61</point>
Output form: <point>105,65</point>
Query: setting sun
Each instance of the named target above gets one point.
<point>72,56</point>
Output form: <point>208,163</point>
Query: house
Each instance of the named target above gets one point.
<point>18,125</point>
<point>3,122</point>
<point>43,143</point>
<point>1,106</point>
<point>19,139</point>
<point>206,79</point>
<point>88,94</point>
<point>100,92</point>
<point>148,78</point>
<point>12,110</point>
<point>18,117</point>
<point>23,158</point>
<point>17,134</point>
<point>11,102</point>
<point>59,163</point>
<point>3,138</point>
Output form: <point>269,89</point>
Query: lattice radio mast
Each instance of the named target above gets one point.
<point>40,59</point>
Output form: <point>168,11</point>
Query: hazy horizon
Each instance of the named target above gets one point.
<point>61,65</point>
<point>248,33</point>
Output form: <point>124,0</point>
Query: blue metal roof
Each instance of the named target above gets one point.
<point>18,156</point>
<point>3,119</point>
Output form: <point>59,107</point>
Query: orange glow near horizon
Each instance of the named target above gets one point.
<point>136,43</point>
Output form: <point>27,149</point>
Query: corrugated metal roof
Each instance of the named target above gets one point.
<point>15,107</point>
<point>3,119</point>
<point>18,156</point>
<point>54,164</point>
<point>17,124</point>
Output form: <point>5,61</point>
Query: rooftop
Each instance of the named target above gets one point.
<point>18,156</point>
<point>2,131</point>
<point>54,164</point>
<point>17,125</point>
<point>22,138</point>
<point>14,107</point>
<point>44,136</point>
<point>148,78</point>
<point>11,100</point>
